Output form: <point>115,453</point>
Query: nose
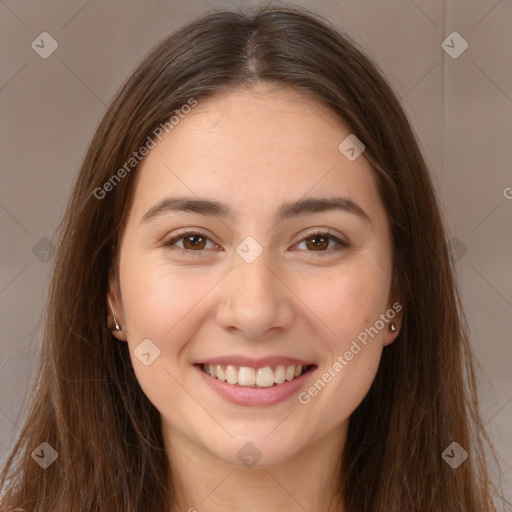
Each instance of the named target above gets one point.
<point>255,301</point>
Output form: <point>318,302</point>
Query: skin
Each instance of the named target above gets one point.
<point>253,150</point>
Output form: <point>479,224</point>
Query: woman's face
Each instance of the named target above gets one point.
<point>256,290</point>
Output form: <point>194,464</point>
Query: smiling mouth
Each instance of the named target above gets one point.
<point>246,376</point>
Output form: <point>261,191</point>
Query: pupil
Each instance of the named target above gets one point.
<point>318,241</point>
<point>195,240</point>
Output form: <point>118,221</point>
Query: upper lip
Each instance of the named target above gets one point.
<point>237,360</point>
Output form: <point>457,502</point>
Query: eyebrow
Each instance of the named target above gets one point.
<point>285,211</point>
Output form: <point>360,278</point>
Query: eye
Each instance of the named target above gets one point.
<point>315,241</point>
<point>194,241</point>
<point>319,241</point>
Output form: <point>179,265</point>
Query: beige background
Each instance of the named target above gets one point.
<point>460,108</point>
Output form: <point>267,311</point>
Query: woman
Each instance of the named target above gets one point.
<point>253,302</point>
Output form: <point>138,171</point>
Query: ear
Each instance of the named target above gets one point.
<point>115,307</point>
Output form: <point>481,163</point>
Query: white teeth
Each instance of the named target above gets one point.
<point>280,374</point>
<point>231,375</point>
<point>220,374</point>
<point>290,372</point>
<point>264,377</point>
<point>253,377</point>
<point>246,376</point>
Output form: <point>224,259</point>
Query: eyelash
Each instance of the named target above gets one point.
<point>318,232</point>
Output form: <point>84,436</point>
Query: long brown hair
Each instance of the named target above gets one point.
<point>87,403</point>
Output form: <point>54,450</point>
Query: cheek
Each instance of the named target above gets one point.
<point>157,298</point>
<point>161,305</point>
<point>350,356</point>
<point>346,300</point>
<point>349,303</point>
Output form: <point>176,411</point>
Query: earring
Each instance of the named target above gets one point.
<point>116,325</point>
<point>116,328</point>
<point>392,327</point>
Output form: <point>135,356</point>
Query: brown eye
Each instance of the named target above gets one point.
<point>319,241</point>
<point>194,242</point>
<point>191,241</point>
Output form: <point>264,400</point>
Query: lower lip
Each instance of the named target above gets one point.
<point>257,397</point>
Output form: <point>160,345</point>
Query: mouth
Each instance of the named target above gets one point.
<point>255,377</point>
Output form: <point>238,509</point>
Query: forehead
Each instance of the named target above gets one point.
<point>254,148</point>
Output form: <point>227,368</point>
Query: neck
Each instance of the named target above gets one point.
<point>307,480</point>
